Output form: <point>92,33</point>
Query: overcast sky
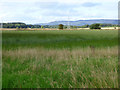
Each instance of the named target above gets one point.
<point>43,11</point>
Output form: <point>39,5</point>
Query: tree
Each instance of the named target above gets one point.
<point>60,26</point>
<point>95,26</point>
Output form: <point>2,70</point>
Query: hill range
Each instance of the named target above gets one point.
<point>82,22</point>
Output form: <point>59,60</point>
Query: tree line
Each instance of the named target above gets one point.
<point>19,25</point>
<point>23,25</point>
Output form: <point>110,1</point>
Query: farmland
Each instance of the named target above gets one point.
<point>60,59</point>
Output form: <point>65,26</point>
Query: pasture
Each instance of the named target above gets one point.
<point>60,59</point>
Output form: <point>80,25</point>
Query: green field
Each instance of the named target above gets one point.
<point>60,59</point>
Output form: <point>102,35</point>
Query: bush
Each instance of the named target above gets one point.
<point>95,26</point>
<point>60,26</point>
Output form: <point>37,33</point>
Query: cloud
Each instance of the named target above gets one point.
<point>51,10</point>
<point>90,4</point>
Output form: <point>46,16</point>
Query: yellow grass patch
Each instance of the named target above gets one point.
<point>61,54</point>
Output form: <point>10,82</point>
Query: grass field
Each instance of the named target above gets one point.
<point>60,59</point>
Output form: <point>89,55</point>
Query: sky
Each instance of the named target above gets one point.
<point>44,11</point>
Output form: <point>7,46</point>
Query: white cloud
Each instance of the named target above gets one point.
<point>37,11</point>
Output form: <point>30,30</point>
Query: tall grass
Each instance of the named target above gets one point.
<point>80,68</point>
<point>60,59</point>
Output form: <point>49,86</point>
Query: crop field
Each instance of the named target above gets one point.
<point>60,59</point>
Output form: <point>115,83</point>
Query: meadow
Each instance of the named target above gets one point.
<point>60,59</point>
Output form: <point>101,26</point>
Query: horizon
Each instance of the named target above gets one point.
<point>59,21</point>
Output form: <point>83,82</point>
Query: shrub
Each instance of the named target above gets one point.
<point>95,26</point>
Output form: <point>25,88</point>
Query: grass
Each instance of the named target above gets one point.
<point>60,59</point>
<point>59,39</point>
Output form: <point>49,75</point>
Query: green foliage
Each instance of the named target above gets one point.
<point>61,26</point>
<point>95,26</point>
<point>19,25</point>
<point>108,25</point>
<point>23,25</point>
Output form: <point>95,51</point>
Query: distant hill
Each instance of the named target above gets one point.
<point>82,22</point>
